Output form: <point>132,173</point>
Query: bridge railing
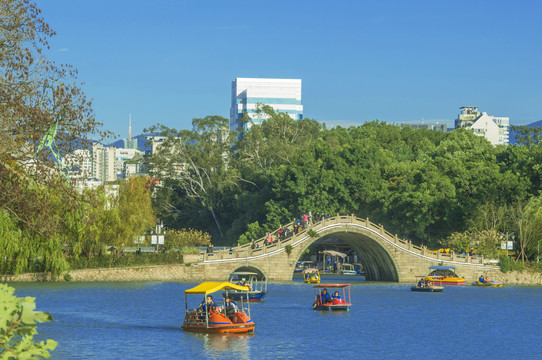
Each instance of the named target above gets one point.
<point>260,246</point>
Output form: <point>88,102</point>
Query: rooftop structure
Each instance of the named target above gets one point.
<point>283,95</point>
<point>493,128</point>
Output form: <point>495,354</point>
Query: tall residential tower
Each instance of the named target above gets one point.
<point>283,95</point>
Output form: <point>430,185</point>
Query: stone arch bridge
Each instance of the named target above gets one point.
<point>383,255</point>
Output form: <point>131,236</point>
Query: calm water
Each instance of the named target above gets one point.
<point>387,321</point>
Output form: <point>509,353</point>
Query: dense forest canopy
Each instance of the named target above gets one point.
<point>421,184</point>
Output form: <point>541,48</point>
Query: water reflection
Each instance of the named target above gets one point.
<point>230,345</point>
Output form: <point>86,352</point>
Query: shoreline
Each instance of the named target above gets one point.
<point>190,273</point>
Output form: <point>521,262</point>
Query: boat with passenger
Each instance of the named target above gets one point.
<point>444,275</point>
<point>311,276</point>
<point>331,302</point>
<point>257,284</point>
<point>483,281</point>
<point>214,319</point>
<point>424,285</point>
<point>359,268</point>
<point>348,269</point>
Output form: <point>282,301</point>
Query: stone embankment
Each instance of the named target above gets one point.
<point>175,272</point>
<point>186,273</point>
<point>524,278</point>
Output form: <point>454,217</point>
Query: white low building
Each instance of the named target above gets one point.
<point>494,128</point>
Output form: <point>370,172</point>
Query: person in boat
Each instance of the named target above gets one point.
<point>207,305</point>
<point>420,283</point>
<point>246,284</point>
<point>230,307</point>
<point>482,279</point>
<point>336,295</point>
<point>322,299</point>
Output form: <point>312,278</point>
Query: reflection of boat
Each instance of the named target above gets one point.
<point>311,276</point>
<point>341,303</point>
<point>443,275</point>
<point>487,284</point>
<point>235,345</point>
<point>348,269</point>
<point>214,320</point>
<point>255,282</point>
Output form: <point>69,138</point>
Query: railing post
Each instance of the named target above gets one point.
<point>367,222</point>
<point>381,229</point>
<point>395,239</point>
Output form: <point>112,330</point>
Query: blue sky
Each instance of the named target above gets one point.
<point>398,61</point>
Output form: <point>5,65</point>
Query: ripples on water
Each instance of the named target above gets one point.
<point>387,321</point>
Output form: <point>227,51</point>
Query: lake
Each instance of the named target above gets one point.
<point>143,320</point>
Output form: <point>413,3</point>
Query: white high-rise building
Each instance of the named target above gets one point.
<point>493,128</point>
<point>103,163</point>
<point>283,95</point>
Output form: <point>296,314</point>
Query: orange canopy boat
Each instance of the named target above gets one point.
<point>211,318</point>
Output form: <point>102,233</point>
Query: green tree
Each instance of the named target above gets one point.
<point>18,326</point>
<point>186,238</point>
<point>527,135</point>
<point>528,220</point>
<point>131,213</point>
<point>254,231</point>
<point>196,163</point>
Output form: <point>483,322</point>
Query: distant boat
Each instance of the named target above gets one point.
<point>334,303</point>
<point>257,284</point>
<point>431,288</point>
<point>425,285</point>
<point>311,276</point>
<point>348,269</point>
<point>444,275</point>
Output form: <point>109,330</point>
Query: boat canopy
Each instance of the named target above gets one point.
<point>211,287</point>
<point>334,253</point>
<point>310,270</point>
<point>331,286</point>
<point>436,267</point>
<point>243,273</point>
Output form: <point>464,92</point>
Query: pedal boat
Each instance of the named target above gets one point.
<point>430,288</point>
<point>425,285</point>
<point>448,277</point>
<point>311,276</point>
<point>215,321</point>
<point>256,283</point>
<point>343,303</point>
<point>489,284</point>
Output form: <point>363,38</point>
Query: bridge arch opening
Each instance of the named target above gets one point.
<point>253,269</point>
<point>378,264</point>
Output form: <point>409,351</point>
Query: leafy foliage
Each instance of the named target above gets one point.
<point>423,185</point>
<point>18,320</point>
<point>186,238</point>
